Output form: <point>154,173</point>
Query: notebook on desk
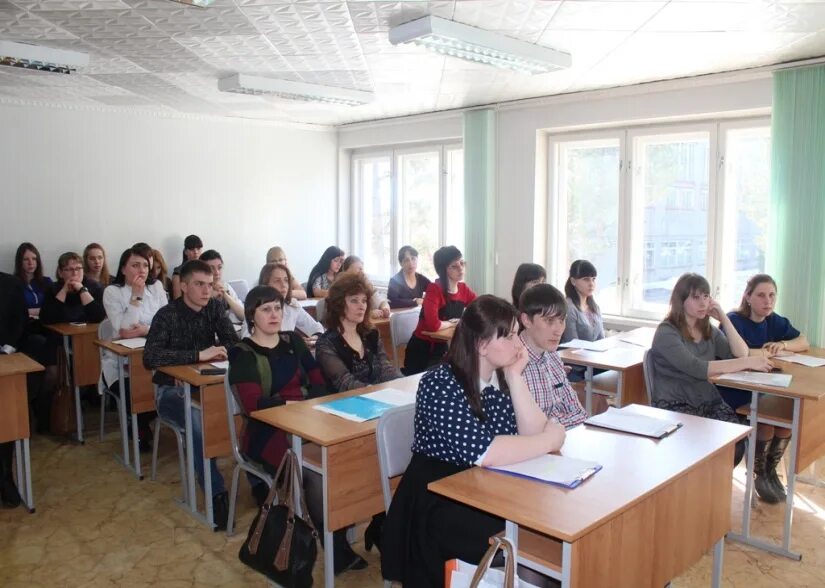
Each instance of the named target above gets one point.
<point>367,407</point>
<point>762,378</point>
<point>806,360</point>
<point>600,345</point>
<point>559,470</point>
<point>618,419</point>
<point>135,343</point>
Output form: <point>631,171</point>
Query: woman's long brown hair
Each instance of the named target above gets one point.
<point>687,285</point>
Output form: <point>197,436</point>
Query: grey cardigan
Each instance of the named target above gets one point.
<point>680,367</point>
<point>578,325</point>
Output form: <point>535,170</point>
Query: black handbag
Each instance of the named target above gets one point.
<point>280,544</point>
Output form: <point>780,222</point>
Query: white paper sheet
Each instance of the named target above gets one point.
<point>224,365</point>
<point>808,360</point>
<point>600,345</point>
<point>621,420</point>
<point>556,469</point>
<point>762,378</point>
<point>136,343</point>
<point>393,396</point>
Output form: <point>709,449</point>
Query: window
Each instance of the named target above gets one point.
<point>647,204</point>
<point>407,196</point>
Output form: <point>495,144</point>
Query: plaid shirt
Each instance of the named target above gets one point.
<point>548,384</point>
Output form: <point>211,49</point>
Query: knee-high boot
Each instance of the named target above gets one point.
<point>762,482</point>
<point>775,452</point>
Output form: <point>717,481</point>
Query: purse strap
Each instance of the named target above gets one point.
<point>272,499</point>
<point>509,563</point>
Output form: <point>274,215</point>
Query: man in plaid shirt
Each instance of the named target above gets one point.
<point>543,312</point>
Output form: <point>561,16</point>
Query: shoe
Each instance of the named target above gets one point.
<point>9,495</point>
<point>344,558</point>
<point>762,482</point>
<point>372,534</point>
<point>259,492</point>
<point>220,510</point>
<point>775,452</point>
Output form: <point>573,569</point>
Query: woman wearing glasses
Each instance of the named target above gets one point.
<point>444,303</point>
<point>73,298</point>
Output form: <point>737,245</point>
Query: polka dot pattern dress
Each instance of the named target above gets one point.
<point>446,428</point>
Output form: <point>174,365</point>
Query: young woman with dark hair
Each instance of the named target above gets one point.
<point>444,303</point>
<point>527,275</point>
<point>687,350</point>
<point>584,319</point>
<point>94,264</point>
<point>192,247</point>
<point>29,268</point>
<point>474,409</point>
<point>407,287</point>
<point>769,334</point>
<point>323,273</point>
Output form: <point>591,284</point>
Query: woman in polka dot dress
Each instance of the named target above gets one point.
<point>474,409</point>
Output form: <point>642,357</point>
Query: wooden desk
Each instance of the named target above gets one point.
<point>625,359</point>
<point>807,393</point>
<point>652,511</point>
<point>445,334</point>
<point>141,393</point>
<point>212,404</point>
<point>349,458</point>
<point>14,416</point>
<point>83,358</point>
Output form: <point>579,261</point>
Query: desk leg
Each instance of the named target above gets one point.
<point>566,564</point>
<point>121,412</point>
<point>69,362</point>
<point>588,390</point>
<point>134,424</point>
<point>786,532</point>
<point>190,455</point>
<point>24,472</point>
<point>718,563</point>
<point>619,387</point>
<point>329,559</point>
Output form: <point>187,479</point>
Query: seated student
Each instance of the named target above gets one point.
<point>94,264</point>
<point>323,274</point>
<point>131,303</point>
<point>444,303</point>
<point>474,409</point>
<point>380,308</point>
<point>687,350</point>
<point>765,333</point>
<point>584,319</point>
<point>278,255</point>
<point>350,351</point>
<point>223,291</point>
<point>13,317</point>
<point>192,247</point>
<point>146,251</point>
<point>29,268</point>
<point>184,332</point>
<point>279,361</point>
<point>160,271</point>
<point>74,298</point>
<point>294,317</point>
<point>542,316</point>
<point>407,287</point>
<point>527,276</point>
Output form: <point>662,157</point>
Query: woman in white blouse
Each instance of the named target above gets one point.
<point>295,318</point>
<point>131,303</point>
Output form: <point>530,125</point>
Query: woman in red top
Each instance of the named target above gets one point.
<point>444,303</point>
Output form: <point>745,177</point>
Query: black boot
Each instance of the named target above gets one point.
<point>775,452</point>
<point>220,510</point>
<point>762,482</point>
<point>9,495</point>
<point>343,557</point>
<point>372,534</point>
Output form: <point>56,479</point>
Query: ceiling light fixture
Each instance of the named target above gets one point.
<point>254,85</point>
<point>473,44</point>
<point>39,58</point>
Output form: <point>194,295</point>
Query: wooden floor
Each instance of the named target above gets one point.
<point>96,525</point>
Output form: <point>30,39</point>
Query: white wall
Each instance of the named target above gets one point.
<point>68,177</point>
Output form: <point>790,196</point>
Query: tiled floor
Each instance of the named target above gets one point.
<point>96,525</point>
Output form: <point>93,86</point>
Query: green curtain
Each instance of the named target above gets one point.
<point>479,198</point>
<point>796,254</point>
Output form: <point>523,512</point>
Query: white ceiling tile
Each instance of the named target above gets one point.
<point>73,5</point>
<point>102,24</point>
<point>586,47</point>
<point>522,19</point>
<point>603,16</point>
<point>719,16</point>
<point>16,25</point>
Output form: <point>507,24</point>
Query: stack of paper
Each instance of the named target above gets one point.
<point>224,365</point>
<point>600,345</point>
<point>367,406</point>
<point>629,422</point>
<point>643,336</point>
<point>808,360</point>
<point>761,378</point>
<point>553,469</point>
<point>136,343</point>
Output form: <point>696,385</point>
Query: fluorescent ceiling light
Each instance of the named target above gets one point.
<point>37,57</point>
<point>474,44</point>
<point>246,84</point>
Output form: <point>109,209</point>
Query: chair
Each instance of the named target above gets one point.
<point>241,288</point>
<point>180,436</point>
<point>321,310</point>
<point>647,367</point>
<point>105,332</point>
<point>402,325</point>
<point>233,409</point>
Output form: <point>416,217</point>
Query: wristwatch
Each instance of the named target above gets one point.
<point>137,298</point>
<point>82,290</point>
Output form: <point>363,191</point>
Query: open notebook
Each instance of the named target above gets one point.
<point>136,343</point>
<point>807,360</point>
<point>619,419</point>
<point>553,469</point>
<point>762,378</point>
<point>367,406</point>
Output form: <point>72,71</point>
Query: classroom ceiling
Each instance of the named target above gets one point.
<point>162,56</point>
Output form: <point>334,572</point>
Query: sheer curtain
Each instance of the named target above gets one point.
<point>796,256</point>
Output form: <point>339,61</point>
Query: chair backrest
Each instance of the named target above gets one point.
<point>233,409</point>
<point>105,332</point>
<point>394,436</point>
<point>321,310</point>
<point>241,288</point>
<point>402,325</point>
<point>647,366</point>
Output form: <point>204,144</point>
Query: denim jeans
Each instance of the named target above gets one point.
<point>170,405</point>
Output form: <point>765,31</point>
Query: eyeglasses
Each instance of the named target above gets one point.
<point>72,270</point>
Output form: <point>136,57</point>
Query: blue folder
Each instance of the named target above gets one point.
<point>358,406</point>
